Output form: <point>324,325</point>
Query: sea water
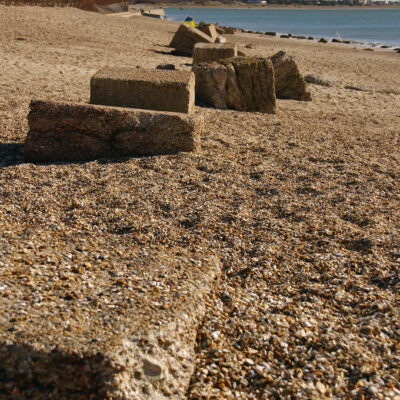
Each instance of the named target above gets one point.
<point>372,26</point>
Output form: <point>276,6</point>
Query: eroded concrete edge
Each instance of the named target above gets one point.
<point>155,364</point>
<point>162,367</point>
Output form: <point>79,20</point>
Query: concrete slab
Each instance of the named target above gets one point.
<point>238,83</point>
<point>186,37</point>
<point>161,90</point>
<point>209,52</point>
<point>103,331</point>
<point>72,132</point>
<point>126,14</point>
<point>208,29</point>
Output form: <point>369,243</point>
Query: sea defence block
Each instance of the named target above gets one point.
<point>186,37</point>
<point>161,90</point>
<point>208,29</point>
<point>72,132</point>
<point>289,82</point>
<point>121,337</point>
<point>229,30</point>
<point>238,83</point>
<point>209,52</point>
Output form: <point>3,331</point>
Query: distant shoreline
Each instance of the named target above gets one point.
<point>280,6</point>
<point>366,42</point>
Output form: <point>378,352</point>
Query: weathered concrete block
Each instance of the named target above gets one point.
<point>220,30</point>
<point>116,353</point>
<point>186,37</point>
<point>230,30</point>
<point>208,29</point>
<point>208,52</point>
<point>318,79</point>
<point>289,83</point>
<point>239,83</point>
<point>71,132</point>
<point>162,90</point>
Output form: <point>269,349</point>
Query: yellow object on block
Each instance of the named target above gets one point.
<point>189,21</point>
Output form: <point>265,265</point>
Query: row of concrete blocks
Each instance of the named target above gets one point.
<point>73,132</point>
<point>133,112</point>
<point>69,132</point>
<point>162,90</point>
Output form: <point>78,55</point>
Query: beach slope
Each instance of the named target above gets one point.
<point>299,210</point>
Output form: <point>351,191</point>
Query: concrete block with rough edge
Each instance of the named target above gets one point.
<point>161,90</point>
<point>131,343</point>
<point>230,30</point>
<point>238,83</point>
<point>289,82</point>
<point>186,37</point>
<point>78,132</point>
<point>208,52</point>
<point>208,29</point>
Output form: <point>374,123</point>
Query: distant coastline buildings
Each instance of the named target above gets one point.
<point>267,2</point>
<point>325,2</point>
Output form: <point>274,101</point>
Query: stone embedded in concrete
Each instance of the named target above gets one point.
<point>289,83</point>
<point>72,132</point>
<point>186,37</point>
<point>208,29</point>
<point>239,83</point>
<point>208,52</point>
<point>162,90</point>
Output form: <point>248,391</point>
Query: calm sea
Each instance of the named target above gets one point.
<point>374,26</point>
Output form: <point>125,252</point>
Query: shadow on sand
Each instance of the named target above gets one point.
<point>11,154</point>
<point>172,53</point>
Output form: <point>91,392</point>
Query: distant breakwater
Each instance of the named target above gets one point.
<point>379,28</point>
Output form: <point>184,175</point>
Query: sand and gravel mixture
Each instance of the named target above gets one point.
<point>302,209</point>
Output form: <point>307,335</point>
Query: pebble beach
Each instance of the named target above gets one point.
<point>300,212</point>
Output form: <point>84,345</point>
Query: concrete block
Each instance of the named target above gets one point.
<point>209,52</point>
<point>161,90</point>
<point>115,347</point>
<point>289,82</point>
<point>238,83</point>
<point>208,29</point>
<point>229,30</point>
<point>72,132</point>
<point>186,37</point>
